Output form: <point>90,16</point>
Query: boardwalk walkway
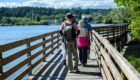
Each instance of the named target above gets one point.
<point>44,61</point>
<point>55,70</point>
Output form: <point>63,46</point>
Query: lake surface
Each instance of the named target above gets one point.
<point>14,33</point>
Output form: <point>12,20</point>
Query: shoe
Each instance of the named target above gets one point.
<point>64,62</point>
<point>76,69</point>
<point>88,56</point>
<point>84,65</point>
<point>71,71</point>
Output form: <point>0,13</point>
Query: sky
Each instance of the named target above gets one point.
<point>96,4</point>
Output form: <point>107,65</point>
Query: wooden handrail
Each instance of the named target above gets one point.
<point>46,38</point>
<point>111,31</point>
<point>12,45</point>
<point>114,65</point>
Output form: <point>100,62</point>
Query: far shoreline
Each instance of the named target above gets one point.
<point>30,25</point>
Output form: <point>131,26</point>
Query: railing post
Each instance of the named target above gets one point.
<point>1,67</point>
<point>52,41</point>
<point>43,48</point>
<point>113,35</point>
<point>117,31</point>
<point>122,30</point>
<point>58,38</point>
<point>58,35</point>
<point>28,55</point>
<point>107,32</point>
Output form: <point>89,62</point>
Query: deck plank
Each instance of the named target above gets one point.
<point>57,71</point>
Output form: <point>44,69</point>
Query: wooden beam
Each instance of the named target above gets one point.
<point>15,44</point>
<point>120,60</point>
<point>23,52</point>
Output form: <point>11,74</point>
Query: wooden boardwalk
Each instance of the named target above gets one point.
<point>55,70</point>
<point>44,61</point>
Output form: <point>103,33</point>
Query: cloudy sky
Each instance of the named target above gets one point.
<point>102,4</point>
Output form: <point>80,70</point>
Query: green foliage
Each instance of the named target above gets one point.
<point>108,20</point>
<point>38,15</point>
<point>134,9</point>
<point>134,60</point>
<point>44,22</point>
<point>37,18</point>
<point>120,15</point>
<point>135,28</point>
<point>0,17</point>
<point>99,19</point>
<point>21,21</point>
<point>6,20</point>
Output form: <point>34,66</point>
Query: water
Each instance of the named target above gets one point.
<point>13,33</point>
<point>99,25</point>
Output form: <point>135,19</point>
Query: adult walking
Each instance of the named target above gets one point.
<point>83,40</point>
<point>69,30</point>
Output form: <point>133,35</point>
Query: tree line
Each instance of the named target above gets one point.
<point>40,15</point>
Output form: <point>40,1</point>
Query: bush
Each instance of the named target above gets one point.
<point>134,60</point>
<point>135,28</point>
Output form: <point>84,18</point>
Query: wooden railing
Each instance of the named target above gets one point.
<point>51,38</point>
<point>113,65</point>
<point>116,34</point>
<point>112,31</point>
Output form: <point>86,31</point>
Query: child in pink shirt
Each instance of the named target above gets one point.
<point>82,42</point>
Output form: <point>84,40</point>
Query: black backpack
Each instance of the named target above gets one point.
<point>69,32</point>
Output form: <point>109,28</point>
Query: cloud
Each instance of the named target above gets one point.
<point>13,4</point>
<point>103,4</point>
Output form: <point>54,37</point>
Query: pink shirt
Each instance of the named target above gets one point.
<point>82,41</point>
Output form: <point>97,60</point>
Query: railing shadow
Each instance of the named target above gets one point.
<point>63,74</point>
<point>94,66</point>
<point>45,67</point>
<point>50,70</point>
<point>91,73</point>
<point>56,70</point>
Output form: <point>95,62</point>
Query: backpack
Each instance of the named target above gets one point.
<point>69,32</point>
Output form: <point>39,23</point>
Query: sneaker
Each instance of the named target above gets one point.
<point>71,71</point>
<point>64,62</point>
<point>88,55</point>
<point>76,69</point>
<point>83,65</point>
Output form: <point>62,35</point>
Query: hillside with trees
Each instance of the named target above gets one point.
<point>44,16</point>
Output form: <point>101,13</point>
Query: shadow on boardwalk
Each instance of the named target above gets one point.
<point>54,69</point>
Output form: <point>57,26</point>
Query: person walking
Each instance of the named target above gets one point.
<point>83,40</point>
<point>90,38</point>
<point>69,30</point>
